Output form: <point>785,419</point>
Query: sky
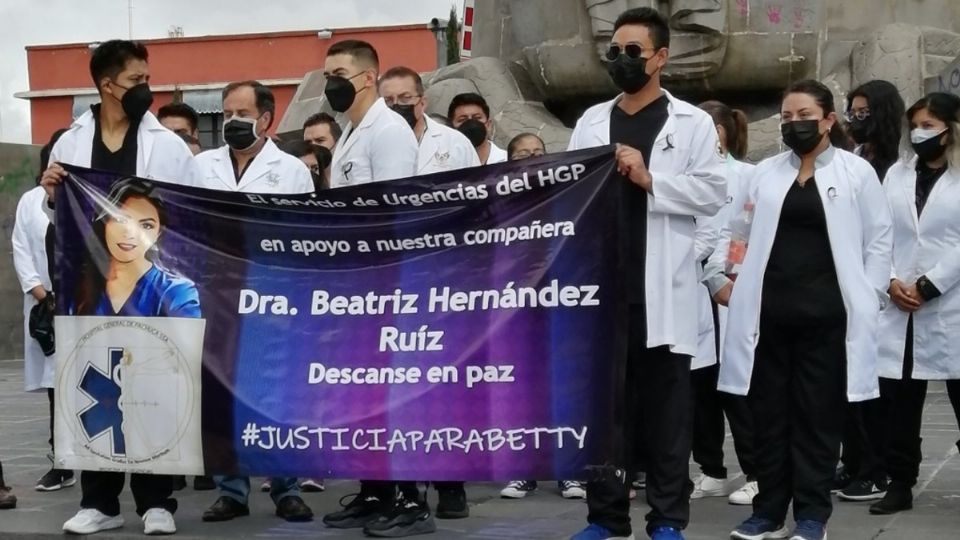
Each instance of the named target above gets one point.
<point>44,22</point>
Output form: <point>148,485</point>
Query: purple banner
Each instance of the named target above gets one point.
<point>458,326</point>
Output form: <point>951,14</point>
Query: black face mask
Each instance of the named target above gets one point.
<point>475,131</point>
<point>407,112</point>
<point>930,149</point>
<point>629,74</point>
<point>860,129</point>
<point>340,92</point>
<point>801,136</point>
<point>240,133</point>
<point>136,101</point>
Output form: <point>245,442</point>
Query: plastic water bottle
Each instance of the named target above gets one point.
<point>739,238</point>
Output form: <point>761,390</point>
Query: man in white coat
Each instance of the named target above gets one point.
<point>250,161</point>
<point>377,143</point>
<point>667,153</point>
<point>440,148</point>
<point>120,135</point>
<point>469,114</point>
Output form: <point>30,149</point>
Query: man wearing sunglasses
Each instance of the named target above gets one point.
<point>666,152</point>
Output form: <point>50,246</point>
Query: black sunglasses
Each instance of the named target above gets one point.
<point>631,50</point>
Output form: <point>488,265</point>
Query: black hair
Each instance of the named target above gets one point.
<point>824,99</point>
<point>297,147</point>
<point>887,112</point>
<point>180,110</point>
<point>358,50</point>
<point>734,124</point>
<point>469,98</point>
<point>946,108</point>
<point>265,101</point>
<point>652,20</point>
<point>324,118</point>
<point>110,58</point>
<point>48,149</point>
<point>512,146</point>
<point>401,72</point>
<point>97,264</point>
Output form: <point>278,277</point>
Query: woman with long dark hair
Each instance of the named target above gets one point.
<point>122,276</point>
<point>801,334</point>
<point>919,339</point>
<point>875,114</point>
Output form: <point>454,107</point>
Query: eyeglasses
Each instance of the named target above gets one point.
<point>860,114</point>
<point>524,154</point>
<point>405,99</point>
<point>631,50</point>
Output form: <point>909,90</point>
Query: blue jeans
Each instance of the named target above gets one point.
<point>238,487</point>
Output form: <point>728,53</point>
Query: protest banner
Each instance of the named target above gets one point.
<point>457,326</point>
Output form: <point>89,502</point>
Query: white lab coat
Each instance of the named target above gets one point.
<point>444,149</point>
<point>272,171</point>
<point>30,262</point>
<point>859,228</point>
<point>161,154</point>
<point>714,276</point>
<point>928,246</point>
<point>687,181</point>
<point>705,242</point>
<point>382,147</point>
<point>497,155</point>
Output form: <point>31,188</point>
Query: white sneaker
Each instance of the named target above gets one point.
<point>744,496</point>
<point>707,486</point>
<point>90,521</point>
<point>158,521</point>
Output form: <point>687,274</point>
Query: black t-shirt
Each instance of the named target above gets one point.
<point>926,179</point>
<point>124,160</point>
<point>639,131</point>
<point>800,286</point>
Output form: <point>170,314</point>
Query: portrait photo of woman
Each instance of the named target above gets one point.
<point>123,276</point>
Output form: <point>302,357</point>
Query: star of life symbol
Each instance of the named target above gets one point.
<point>135,398</point>
<point>105,415</point>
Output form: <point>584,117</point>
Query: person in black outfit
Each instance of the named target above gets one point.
<point>7,499</point>
<point>919,329</point>
<point>875,113</point>
<point>684,179</point>
<point>803,312</point>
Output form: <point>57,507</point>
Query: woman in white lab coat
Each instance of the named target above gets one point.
<point>709,406</point>
<point>920,328</point>
<point>32,266</point>
<point>801,334</point>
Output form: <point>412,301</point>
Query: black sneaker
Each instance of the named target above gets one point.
<point>863,490</point>
<point>225,509</point>
<point>56,479</point>
<point>8,500</point>
<point>518,489</point>
<point>407,518</point>
<point>896,500</point>
<point>452,504</point>
<point>204,483</point>
<point>841,479</point>
<point>292,508</point>
<point>362,510</point>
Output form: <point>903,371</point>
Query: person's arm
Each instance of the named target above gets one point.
<point>27,272</point>
<point>302,180</point>
<point>394,152</point>
<point>714,272</point>
<point>701,189</point>
<point>877,227</point>
<point>183,300</point>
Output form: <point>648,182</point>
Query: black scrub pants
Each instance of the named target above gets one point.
<point>709,431</point>
<point>863,436</point>
<point>1,476</point>
<point>660,389</point>
<point>101,490</point>
<point>798,387</point>
<point>905,398</point>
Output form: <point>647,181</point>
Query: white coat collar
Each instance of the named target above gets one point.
<point>675,108</point>
<point>264,163</point>
<point>824,159</point>
<point>86,123</point>
<point>377,110</point>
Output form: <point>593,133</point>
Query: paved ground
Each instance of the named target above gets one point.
<point>23,435</point>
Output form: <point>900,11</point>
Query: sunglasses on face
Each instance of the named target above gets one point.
<point>631,50</point>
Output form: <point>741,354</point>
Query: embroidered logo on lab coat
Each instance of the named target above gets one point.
<point>273,179</point>
<point>442,159</point>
